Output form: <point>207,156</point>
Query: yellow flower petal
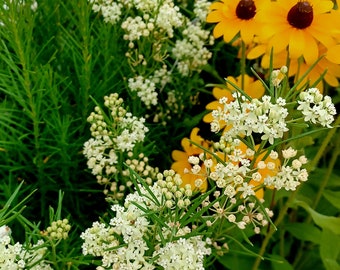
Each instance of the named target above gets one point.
<point>178,155</point>
<point>296,43</point>
<point>257,51</point>
<point>213,105</point>
<point>333,54</point>
<point>215,16</point>
<point>311,52</point>
<point>208,118</point>
<point>219,93</point>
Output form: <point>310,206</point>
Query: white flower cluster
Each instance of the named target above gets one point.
<point>190,52</point>
<point>18,256</point>
<point>169,17</point>
<point>120,134</point>
<point>177,40</point>
<point>111,10</point>
<point>125,243</point>
<point>183,254</point>
<point>290,173</point>
<point>316,108</point>
<point>114,136</point>
<point>201,9</point>
<point>98,239</point>
<point>256,116</point>
<point>145,88</point>
<point>137,27</point>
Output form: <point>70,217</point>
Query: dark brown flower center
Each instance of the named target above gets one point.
<point>246,9</point>
<point>301,15</point>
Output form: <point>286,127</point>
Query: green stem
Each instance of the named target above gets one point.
<point>326,178</point>
<point>325,143</point>
<point>278,220</point>
<point>243,64</point>
<point>54,255</point>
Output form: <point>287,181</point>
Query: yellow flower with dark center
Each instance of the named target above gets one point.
<point>181,164</point>
<point>252,87</point>
<point>299,26</point>
<point>235,17</point>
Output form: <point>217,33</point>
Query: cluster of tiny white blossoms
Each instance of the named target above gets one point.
<point>256,116</point>
<point>129,242</point>
<point>184,253</point>
<point>145,89</point>
<point>19,256</point>
<point>121,134</point>
<point>113,134</point>
<point>290,174</point>
<point>231,169</point>
<point>177,41</point>
<point>190,52</point>
<point>316,108</point>
<point>201,9</point>
<point>231,174</point>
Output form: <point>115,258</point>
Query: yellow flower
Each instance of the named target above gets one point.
<point>181,164</point>
<point>235,17</point>
<point>298,25</point>
<point>254,88</point>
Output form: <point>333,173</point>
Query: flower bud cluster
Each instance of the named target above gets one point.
<point>98,239</point>
<point>249,213</point>
<point>201,8</point>
<point>175,196</point>
<point>278,75</point>
<point>252,215</point>
<point>111,10</point>
<point>58,230</point>
<point>141,166</point>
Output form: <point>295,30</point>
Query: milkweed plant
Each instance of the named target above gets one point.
<point>169,134</point>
